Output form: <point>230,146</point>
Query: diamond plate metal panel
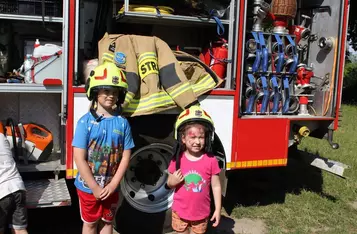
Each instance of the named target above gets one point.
<point>47,193</point>
<point>9,106</point>
<point>42,108</point>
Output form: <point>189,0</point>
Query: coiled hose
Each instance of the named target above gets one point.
<point>165,10</point>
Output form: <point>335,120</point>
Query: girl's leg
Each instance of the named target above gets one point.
<point>19,231</point>
<point>199,227</point>
<point>89,228</point>
<point>187,231</point>
<point>105,227</point>
<point>192,232</point>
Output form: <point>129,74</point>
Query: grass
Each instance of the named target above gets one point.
<point>314,201</point>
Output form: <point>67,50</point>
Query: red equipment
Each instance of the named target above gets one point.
<point>304,75</point>
<point>216,57</point>
<point>300,31</point>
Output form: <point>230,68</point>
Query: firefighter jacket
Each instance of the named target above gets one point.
<point>156,81</point>
<point>202,78</point>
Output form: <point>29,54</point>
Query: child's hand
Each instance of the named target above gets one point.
<point>97,191</point>
<point>217,217</point>
<point>177,177</point>
<point>107,191</point>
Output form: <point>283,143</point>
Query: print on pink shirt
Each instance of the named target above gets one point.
<point>194,181</point>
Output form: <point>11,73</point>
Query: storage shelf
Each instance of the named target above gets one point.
<point>293,117</point>
<point>31,18</point>
<point>28,88</point>
<point>148,18</point>
<point>43,166</point>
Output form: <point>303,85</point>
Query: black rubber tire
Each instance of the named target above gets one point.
<point>129,220</point>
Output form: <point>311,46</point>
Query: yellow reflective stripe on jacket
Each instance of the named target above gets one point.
<point>150,102</point>
<point>129,97</point>
<point>180,90</point>
<point>204,83</point>
<point>108,57</point>
<point>147,63</point>
<point>146,55</point>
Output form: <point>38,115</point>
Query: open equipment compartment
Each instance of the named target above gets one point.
<point>33,93</point>
<point>178,27</point>
<point>293,71</point>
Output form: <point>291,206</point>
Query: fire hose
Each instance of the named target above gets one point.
<point>251,78</point>
<point>165,10</point>
<point>278,69</point>
<point>265,57</point>
<point>291,71</point>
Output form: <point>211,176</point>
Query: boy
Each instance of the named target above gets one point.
<point>102,148</point>
<point>192,172</point>
<point>12,191</point>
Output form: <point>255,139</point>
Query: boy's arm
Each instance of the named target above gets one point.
<point>80,156</point>
<point>123,165</point>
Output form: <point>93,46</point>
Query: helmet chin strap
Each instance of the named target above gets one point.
<point>178,148</point>
<point>177,151</point>
<point>97,117</point>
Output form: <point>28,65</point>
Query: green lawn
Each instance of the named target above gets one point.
<point>314,201</point>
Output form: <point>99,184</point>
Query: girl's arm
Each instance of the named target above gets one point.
<point>80,156</point>
<point>175,179</point>
<point>216,189</point>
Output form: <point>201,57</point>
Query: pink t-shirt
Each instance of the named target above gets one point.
<point>192,198</point>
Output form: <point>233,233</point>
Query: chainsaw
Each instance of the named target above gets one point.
<point>30,142</point>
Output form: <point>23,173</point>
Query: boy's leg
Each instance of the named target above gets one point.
<point>18,222</point>
<point>5,208</point>
<point>90,211</point>
<point>109,209</point>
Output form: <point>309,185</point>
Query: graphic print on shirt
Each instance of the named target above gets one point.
<point>194,181</point>
<point>103,161</point>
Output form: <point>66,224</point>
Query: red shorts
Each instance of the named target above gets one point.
<point>92,209</point>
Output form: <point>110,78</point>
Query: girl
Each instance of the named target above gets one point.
<point>192,172</point>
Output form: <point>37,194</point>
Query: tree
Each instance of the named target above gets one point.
<point>352,25</point>
<point>350,82</point>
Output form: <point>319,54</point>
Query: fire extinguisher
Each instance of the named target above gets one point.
<point>216,57</point>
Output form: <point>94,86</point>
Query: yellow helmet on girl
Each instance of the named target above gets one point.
<point>193,115</point>
<point>106,76</point>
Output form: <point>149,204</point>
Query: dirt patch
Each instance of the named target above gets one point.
<point>320,230</point>
<point>249,226</point>
<point>354,205</point>
<point>229,225</point>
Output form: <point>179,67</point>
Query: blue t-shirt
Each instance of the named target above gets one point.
<point>105,142</point>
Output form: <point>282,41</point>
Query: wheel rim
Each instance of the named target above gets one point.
<point>144,183</point>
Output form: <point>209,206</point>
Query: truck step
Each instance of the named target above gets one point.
<point>47,193</point>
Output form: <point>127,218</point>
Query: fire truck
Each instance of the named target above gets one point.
<point>283,63</point>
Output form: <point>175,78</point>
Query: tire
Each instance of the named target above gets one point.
<point>145,201</point>
<point>152,133</point>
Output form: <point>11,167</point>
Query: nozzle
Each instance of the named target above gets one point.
<point>261,9</point>
<point>303,23</point>
<point>304,131</point>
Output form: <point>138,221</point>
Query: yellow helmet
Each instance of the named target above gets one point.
<point>106,75</point>
<point>194,114</point>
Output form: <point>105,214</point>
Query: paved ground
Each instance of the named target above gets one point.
<point>230,225</point>
<point>66,220</point>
